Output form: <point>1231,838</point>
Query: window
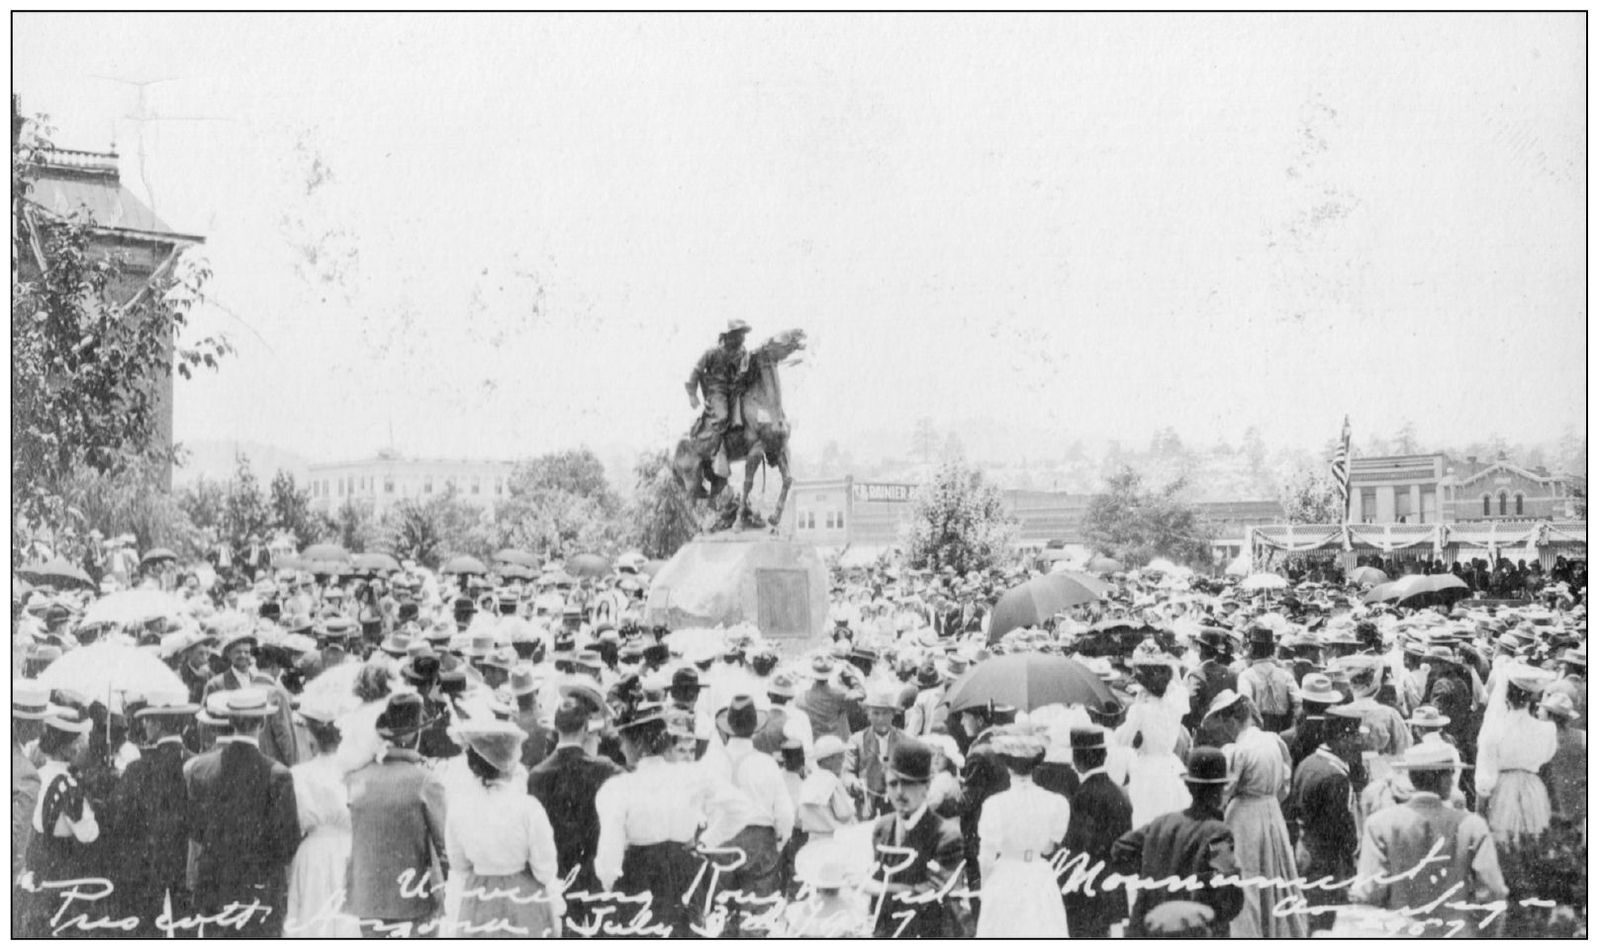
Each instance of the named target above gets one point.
<point>1367,504</point>
<point>1403,505</point>
<point>427,485</point>
<point>1427,506</point>
<point>1519,503</point>
<point>388,485</point>
<point>1486,505</point>
<point>828,519</point>
<point>1502,503</point>
<point>499,487</point>
<point>476,486</point>
<point>806,520</point>
<point>839,519</point>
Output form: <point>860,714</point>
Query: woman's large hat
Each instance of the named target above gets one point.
<point>1559,705</point>
<point>497,741</point>
<point>1428,717</point>
<point>741,718</point>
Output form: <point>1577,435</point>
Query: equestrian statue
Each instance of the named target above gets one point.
<point>742,419</point>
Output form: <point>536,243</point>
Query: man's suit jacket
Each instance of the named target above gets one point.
<point>939,855</point>
<point>827,708</point>
<point>277,738</point>
<point>540,740</point>
<point>24,796</point>
<point>244,821</point>
<point>396,809</point>
<point>1192,842</point>
<point>863,758</point>
<point>153,813</point>
<point>1320,807</point>
<point>567,784</point>
<point>1100,813</point>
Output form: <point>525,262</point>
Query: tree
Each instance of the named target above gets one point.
<point>204,502</point>
<point>575,471</point>
<point>661,515</point>
<point>1407,441</point>
<point>86,367</point>
<point>429,531</point>
<point>132,503</point>
<point>560,504</point>
<point>1136,525</point>
<point>958,521</point>
<point>246,513</point>
<point>953,449</point>
<point>924,442</point>
<point>355,526</point>
<point>291,510</point>
<point>1309,496</point>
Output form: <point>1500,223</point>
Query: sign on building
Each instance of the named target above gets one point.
<point>882,492</point>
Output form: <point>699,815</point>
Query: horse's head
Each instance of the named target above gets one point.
<point>783,345</point>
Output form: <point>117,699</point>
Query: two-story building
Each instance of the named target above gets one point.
<point>382,481</point>
<point>1432,488</point>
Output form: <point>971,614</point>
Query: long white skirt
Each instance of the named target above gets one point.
<point>1155,787</point>
<point>1021,900</point>
<point>316,883</point>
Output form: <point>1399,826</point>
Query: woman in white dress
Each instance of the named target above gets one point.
<point>1514,746</point>
<point>1020,829</point>
<point>1151,731</point>
<point>316,878</point>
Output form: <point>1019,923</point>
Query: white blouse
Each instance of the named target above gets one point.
<point>500,830</point>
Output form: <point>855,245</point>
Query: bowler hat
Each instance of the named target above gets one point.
<point>1088,738</point>
<point>686,678</point>
<point>1206,766</point>
<point>911,762</point>
<point>403,717</point>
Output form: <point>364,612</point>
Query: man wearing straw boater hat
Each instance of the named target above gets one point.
<point>30,703</point>
<point>277,737</point>
<point>244,820</point>
<point>1193,842</point>
<point>155,817</point>
<point>1404,837</point>
<point>396,807</point>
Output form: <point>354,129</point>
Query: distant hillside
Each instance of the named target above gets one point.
<point>214,459</point>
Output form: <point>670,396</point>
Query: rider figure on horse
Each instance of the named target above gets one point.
<point>722,373</point>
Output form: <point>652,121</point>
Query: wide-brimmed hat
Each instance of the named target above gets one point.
<point>781,685</point>
<point>822,666</point>
<point>644,714</point>
<point>249,703</point>
<point>238,637</point>
<point>403,717</point>
<point>1344,720</point>
<point>1526,677</point>
<point>828,745</point>
<point>1575,656</point>
<point>68,720</point>
<point>1429,717</point>
<point>30,700</point>
<point>685,678</point>
<point>497,741</point>
<point>588,692</point>
<point>1215,637</point>
<point>741,717</point>
<point>1088,738</point>
<point>1430,756</point>
<point>911,761</point>
<point>735,327</point>
<point>396,644</point>
<point>883,695</point>
<point>592,660</point>
<point>421,668</point>
<point>523,681</point>
<point>1206,766</point>
<point>1559,705</point>
<point>169,703</point>
<point>1222,700</point>
<point>335,629</point>
<point>502,658</point>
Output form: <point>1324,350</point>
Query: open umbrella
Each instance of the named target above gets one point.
<point>463,565</point>
<point>375,561</point>
<point>109,672</point>
<point>1026,682</point>
<point>1039,599</point>
<point>1104,565</point>
<point>1265,581</point>
<point>517,572</point>
<point>289,563</point>
<point>1368,575</point>
<point>134,607</point>
<point>1419,590</point>
<point>158,554</point>
<point>514,556</point>
<point>325,552</point>
<point>1164,565</point>
<point>587,566</point>
<point>58,572</point>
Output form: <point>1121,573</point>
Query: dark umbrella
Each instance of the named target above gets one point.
<point>58,572</point>
<point>587,566</point>
<point>158,554</point>
<point>1039,599</point>
<point>463,565</point>
<point>1433,589</point>
<point>375,561</point>
<point>1026,682</point>
<point>514,556</point>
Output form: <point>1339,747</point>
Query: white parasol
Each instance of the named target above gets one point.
<point>134,607</point>
<point>110,672</point>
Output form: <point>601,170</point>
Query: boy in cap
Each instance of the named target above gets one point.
<point>1193,842</point>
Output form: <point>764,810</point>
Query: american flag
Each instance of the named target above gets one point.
<point>1339,467</point>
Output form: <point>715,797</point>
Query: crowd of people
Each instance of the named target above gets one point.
<point>409,754</point>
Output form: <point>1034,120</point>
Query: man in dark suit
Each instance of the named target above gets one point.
<point>1212,675</point>
<point>1100,813</point>
<point>1324,788</point>
<point>567,785</point>
<point>153,812</point>
<point>823,703</point>
<point>277,737</point>
<point>871,749</point>
<point>919,856</point>
<point>539,743</point>
<point>396,810</point>
<point>1194,841</point>
<point>243,819</point>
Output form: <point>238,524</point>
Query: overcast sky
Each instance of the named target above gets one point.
<point>506,235</point>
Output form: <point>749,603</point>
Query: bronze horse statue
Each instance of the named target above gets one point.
<point>761,440</point>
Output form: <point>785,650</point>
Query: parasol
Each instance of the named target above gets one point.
<point>1368,575</point>
<point>1104,565</point>
<point>463,565</point>
<point>1417,590</point>
<point>325,552</point>
<point>134,607</point>
<point>518,572</point>
<point>108,672</point>
<point>1162,565</point>
<point>1264,581</point>
<point>1026,682</point>
<point>158,554</point>
<point>514,556</point>
<point>587,566</point>
<point>375,561</point>
<point>58,572</point>
<point>1039,599</point>
<point>1240,566</point>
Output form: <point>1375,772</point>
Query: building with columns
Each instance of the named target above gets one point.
<point>1432,488</point>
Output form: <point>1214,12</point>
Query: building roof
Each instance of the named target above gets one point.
<point>70,180</point>
<point>1502,465</point>
<point>400,461</point>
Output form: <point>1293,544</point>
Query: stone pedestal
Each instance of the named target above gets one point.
<point>730,578</point>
